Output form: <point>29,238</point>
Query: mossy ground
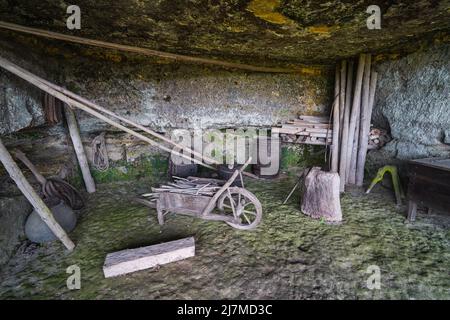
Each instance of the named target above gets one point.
<point>289,256</point>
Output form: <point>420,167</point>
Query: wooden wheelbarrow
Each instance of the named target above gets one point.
<point>236,206</point>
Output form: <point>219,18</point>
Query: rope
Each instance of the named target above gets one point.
<point>100,158</point>
<point>52,109</point>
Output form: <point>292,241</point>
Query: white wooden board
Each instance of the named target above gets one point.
<point>131,260</point>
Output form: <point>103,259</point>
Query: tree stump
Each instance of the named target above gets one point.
<point>321,196</point>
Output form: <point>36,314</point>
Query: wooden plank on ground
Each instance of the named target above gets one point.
<point>131,260</point>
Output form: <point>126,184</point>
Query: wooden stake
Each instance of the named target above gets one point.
<point>345,140</point>
<point>37,203</point>
<point>363,130</point>
<point>354,155</point>
<point>79,150</point>
<point>354,119</point>
<point>373,88</point>
<point>363,148</point>
<point>342,98</point>
<point>335,146</point>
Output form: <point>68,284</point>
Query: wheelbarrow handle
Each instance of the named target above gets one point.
<point>245,165</point>
<point>212,203</point>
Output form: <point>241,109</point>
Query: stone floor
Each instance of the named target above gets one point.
<point>289,256</point>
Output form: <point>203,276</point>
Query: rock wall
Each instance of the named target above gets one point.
<point>413,102</point>
<point>13,213</point>
<point>182,96</point>
<point>20,105</point>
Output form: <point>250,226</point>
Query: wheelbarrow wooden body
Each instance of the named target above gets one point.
<point>236,206</point>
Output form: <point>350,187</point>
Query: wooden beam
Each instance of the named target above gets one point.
<point>39,206</point>
<point>345,129</point>
<point>363,129</point>
<point>79,149</point>
<point>146,51</point>
<point>342,98</point>
<point>354,154</point>
<point>362,154</point>
<point>127,261</point>
<point>354,120</point>
<point>336,123</point>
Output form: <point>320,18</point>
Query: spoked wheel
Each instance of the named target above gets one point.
<point>243,206</point>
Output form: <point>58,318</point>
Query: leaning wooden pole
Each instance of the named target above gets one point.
<point>74,103</point>
<point>42,210</point>
<point>60,93</point>
<point>335,141</point>
<point>363,129</point>
<point>345,128</point>
<point>372,89</point>
<point>96,107</point>
<point>354,155</point>
<point>342,97</point>
<point>354,120</point>
<point>79,149</point>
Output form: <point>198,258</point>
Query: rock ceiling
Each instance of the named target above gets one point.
<point>280,31</point>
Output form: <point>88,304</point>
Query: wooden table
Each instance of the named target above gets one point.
<point>429,185</point>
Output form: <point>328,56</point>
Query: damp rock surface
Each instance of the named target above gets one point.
<point>289,255</point>
<point>413,101</point>
<point>13,213</point>
<point>20,105</point>
<point>255,31</point>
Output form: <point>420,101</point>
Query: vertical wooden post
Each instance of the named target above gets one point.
<point>342,97</point>
<point>37,203</point>
<point>354,120</point>
<point>363,149</point>
<point>364,130</point>
<point>79,150</point>
<point>345,128</point>
<point>354,154</point>
<point>335,141</point>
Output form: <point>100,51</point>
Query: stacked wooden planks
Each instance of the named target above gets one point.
<point>315,130</point>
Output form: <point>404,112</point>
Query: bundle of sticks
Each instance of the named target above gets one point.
<point>314,130</point>
<point>189,185</point>
<point>351,113</point>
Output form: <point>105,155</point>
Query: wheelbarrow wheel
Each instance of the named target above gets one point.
<point>243,205</point>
